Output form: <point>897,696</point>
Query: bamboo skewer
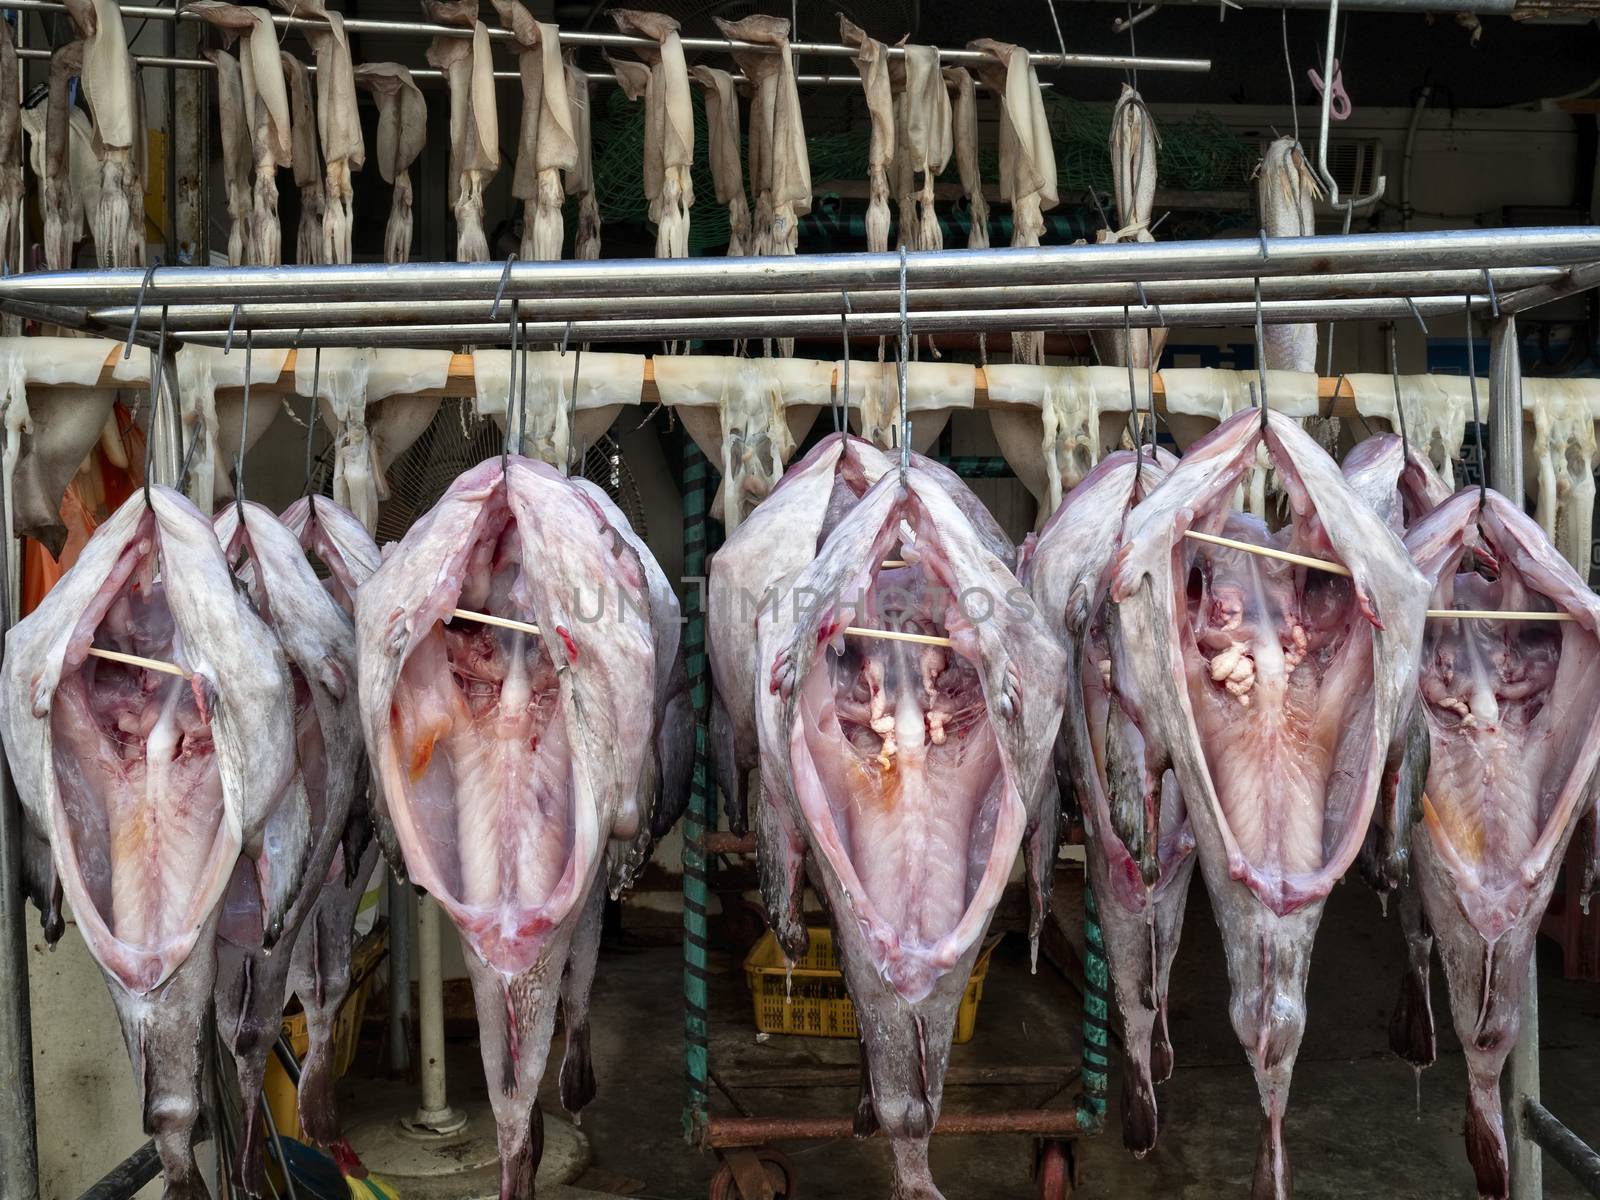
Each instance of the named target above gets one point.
<point>894,635</point>
<point>1333,568</point>
<point>134,660</point>
<point>500,622</point>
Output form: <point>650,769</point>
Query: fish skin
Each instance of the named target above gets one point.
<point>1484,893</point>
<point>1142,920</point>
<point>777,539</point>
<point>318,638</point>
<point>1268,910</point>
<point>517,936</point>
<point>906,988</point>
<point>160,980</point>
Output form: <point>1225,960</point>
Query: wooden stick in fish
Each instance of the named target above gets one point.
<point>134,660</point>
<point>893,635</point>
<point>500,622</point>
<point>1333,568</point>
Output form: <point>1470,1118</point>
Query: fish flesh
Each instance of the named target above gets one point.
<point>149,786</point>
<point>1292,688</point>
<point>907,775</point>
<point>318,639</point>
<point>1513,715</point>
<point>1067,574</point>
<point>319,975</point>
<point>402,132</point>
<point>508,763</point>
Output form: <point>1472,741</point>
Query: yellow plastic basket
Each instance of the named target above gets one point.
<point>811,1000</point>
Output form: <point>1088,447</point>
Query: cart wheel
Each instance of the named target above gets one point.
<point>755,1174</point>
<point>1055,1170</point>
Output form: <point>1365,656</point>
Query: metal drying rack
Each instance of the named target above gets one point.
<point>1494,274</point>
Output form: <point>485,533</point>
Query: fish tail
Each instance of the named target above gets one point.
<point>866,1118</point>
<point>1274,1180</point>
<point>1411,1033</point>
<point>1486,1142</point>
<point>577,1070</point>
<point>319,1121</point>
<point>1138,1106</point>
<point>519,1167</point>
<point>251,1167</point>
<point>913,1179</point>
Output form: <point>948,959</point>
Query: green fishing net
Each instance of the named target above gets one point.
<point>1199,154</point>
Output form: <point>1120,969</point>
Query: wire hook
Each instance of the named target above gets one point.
<point>158,388</point>
<point>1261,355</point>
<point>511,390</point>
<point>1133,391</point>
<point>1399,408</point>
<point>1477,419</point>
<point>311,425</point>
<point>905,414</point>
<point>1494,300</point>
<point>841,404</point>
<point>499,292</point>
<point>138,309</point>
<point>244,429</point>
<point>233,320</point>
<point>572,402</point>
<point>1416,314</point>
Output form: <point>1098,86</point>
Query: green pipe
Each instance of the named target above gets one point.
<point>1096,1038</point>
<point>696,1026</point>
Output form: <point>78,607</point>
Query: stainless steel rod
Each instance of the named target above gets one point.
<point>1579,279</point>
<point>1123,262</point>
<point>1494,7</point>
<point>429,74</point>
<point>1566,1147</point>
<point>425,29</point>
<point>182,319</point>
<point>1287,312</point>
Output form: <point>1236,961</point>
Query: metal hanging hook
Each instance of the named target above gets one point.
<point>244,429</point>
<point>233,321</point>
<point>1477,419</point>
<point>1494,300</point>
<point>1261,360</point>
<point>572,402</point>
<point>499,292</point>
<point>841,403</point>
<point>1399,408</point>
<point>158,388</point>
<point>311,425</point>
<point>905,408</point>
<point>511,390</point>
<point>1416,314</point>
<point>1133,391</point>
<point>138,309</point>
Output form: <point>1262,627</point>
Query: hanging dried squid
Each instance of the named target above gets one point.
<point>402,129</point>
<point>110,84</point>
<point>669,125</point>
<point>722,147</point>
<point>1134,143</point>
<point>11,191</point>
<point>307,161</point>
<point>546,146</point>
<point>474,123</point>
<point>580,180</point>
<point>872,61</point>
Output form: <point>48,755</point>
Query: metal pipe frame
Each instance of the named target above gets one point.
<point>1488,7</point>
<point>432,75</point>
<point>1111,262</point>
<point>187,319</point>
<point>725,1133</point>
<point>615,41</point>
<point>1561,1144</point>
<point>1286,312</point>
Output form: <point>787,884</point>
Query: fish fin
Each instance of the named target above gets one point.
<point>1411,1034</point>
<point>577,1070</point>
<point>1042,841</point>
<point>732,779</point>
<point>866,1118</point>
<point>517,1171</point>
<point>675,752</point>
<point>280,861</point>
<point>42,885</point>
<point>1161,1060</point>
<point>782,860</point>
<point>577,1084</point>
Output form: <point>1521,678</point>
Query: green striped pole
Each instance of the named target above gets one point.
<point>1096,987</point>
<point>700,813</point>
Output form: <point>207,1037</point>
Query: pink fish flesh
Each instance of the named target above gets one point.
<point>908,774</point>
<point>1513,714</point>
<point>1292,686</point>
<point>149,786</point>
<point>507,762</point>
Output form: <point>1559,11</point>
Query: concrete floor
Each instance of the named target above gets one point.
<point>1354,1126</point>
